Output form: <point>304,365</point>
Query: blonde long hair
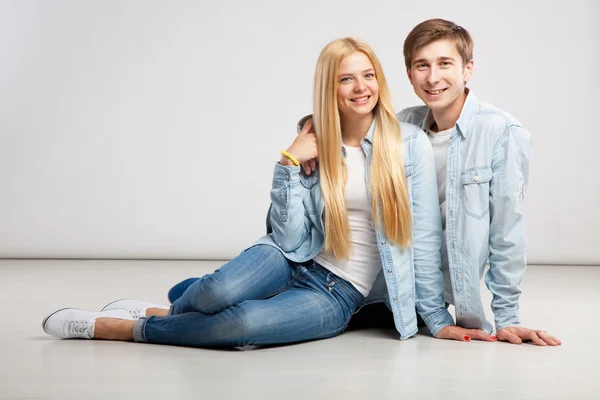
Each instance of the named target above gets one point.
<point>389,192</point>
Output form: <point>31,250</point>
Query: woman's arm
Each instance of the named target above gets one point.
<point>289,223</point>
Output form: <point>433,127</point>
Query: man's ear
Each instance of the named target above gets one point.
<point>409,75</point>
<point>468,71</point>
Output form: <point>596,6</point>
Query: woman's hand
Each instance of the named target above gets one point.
<point>310,165</point>
<point>454,332</point>
<point>304,148</point>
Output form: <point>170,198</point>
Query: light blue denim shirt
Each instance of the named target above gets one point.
<point>410,278</point>
<point>487,172</point>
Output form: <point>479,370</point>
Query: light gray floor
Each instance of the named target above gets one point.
<point>365,364</point>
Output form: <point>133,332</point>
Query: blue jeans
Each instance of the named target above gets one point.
<point>258,298</point>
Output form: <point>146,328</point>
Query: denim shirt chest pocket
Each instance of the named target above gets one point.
<point>476,191</point>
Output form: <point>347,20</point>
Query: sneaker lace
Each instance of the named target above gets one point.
<point>79,327</point>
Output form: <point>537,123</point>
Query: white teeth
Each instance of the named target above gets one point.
<point>434,92</point>
<point>362,99</point>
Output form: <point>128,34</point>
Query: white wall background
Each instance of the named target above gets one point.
<point>149,129</point>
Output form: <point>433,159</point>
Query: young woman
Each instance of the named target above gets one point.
<point>366,224</point>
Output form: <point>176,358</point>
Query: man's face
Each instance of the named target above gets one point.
<point>438,75</point>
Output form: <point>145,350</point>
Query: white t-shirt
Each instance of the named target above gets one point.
<point>439,142</point>
<point>364,263</point>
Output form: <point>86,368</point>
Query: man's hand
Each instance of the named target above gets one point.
<point>454,332</point>
<point>517,335</point>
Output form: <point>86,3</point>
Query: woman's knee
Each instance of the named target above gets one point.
<point>177,291</point>
<point>258,273</point>
<point>211,294</point>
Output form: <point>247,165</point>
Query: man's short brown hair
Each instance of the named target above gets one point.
<point>438,29</point>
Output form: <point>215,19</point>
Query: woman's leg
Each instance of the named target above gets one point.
<point>258,273</point>
<point>317,305</point>
<point>178,290</point>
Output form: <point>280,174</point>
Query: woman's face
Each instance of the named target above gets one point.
<point>358,90</point>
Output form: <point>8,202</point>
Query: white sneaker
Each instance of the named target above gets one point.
<point>136,308</point>
<point>73,323</point>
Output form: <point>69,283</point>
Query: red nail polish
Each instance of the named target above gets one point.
<point>468,338</point>
<point>494,338</point>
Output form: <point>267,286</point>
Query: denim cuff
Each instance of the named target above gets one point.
<point>437,321</point>
<point>138,330</point>
<point>283,176</point>
<point>505,317</point>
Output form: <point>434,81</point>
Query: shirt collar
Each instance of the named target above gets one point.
<point>466,115</point>
<point>369,136</point>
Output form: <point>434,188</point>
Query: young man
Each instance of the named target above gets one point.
<point>482,159</point>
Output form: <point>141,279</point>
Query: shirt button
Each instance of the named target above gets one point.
<point>476,178</point>
<point>395,299</point>
<point>383,243</point>
<point>390,270</point>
